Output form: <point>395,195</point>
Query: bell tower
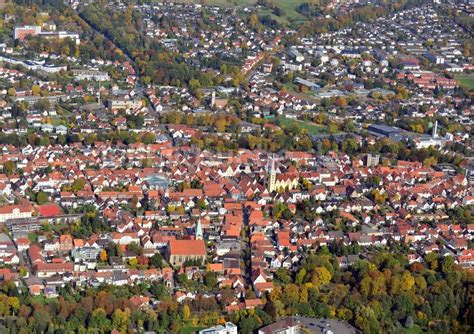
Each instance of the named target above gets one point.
<point>272,175</point>
<point>198,234</point>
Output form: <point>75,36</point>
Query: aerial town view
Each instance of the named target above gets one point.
<point>236,166</point>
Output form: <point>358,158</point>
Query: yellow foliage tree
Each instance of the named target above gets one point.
<point>408,281</point>
<point>321,276</point>
<point>103,255</point>
<point>35,89</point>
<point>186,312</point>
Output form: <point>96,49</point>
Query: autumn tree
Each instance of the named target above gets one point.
<point>186,312</point>
<point>9,167</point>
<point>321,276</point>
<point>103,256</point>
<point>120,319</point>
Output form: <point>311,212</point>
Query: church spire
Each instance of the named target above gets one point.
<point>272,176</point>
<point>198,235</point>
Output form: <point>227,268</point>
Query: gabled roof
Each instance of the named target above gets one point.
<point>187,247</point>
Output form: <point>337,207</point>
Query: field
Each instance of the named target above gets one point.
<point>289,6</point>
<point>312,128</point>
<point>466,80</point>
<point>223,3</point>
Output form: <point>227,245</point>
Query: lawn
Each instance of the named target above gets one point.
<point>226,3</point>
<point>466,80</point>
<point>191,329</point>
<point>415,329</point>
<point>280,19</point>
<point>289,6</point>
<point>312,128</point>
<point>39,300</point>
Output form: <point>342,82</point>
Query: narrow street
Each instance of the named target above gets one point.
<point>246,251</point>
<point>139,89</point>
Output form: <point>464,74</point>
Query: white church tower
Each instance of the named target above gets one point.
<point>272,176</point>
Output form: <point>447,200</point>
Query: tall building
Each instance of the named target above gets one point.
<point>435,130</point>
<point>287,180</point>
<point>272,176</point>
<point>199,233</point>
<point>373,160</point>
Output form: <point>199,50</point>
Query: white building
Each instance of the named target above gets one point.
<point>14,212</point>
<point>90,75</point>
<point>227,328</point>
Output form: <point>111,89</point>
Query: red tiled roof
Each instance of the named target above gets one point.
<point>49,210</point>
<point>187,247</point>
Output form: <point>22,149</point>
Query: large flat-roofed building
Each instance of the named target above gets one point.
<point>20,33</point>
<point>384,130</point>
<point>227,328</point>
<point>90,75</point>
<point>180,251</point>
<point>298,324</point>
<point>61,35</point>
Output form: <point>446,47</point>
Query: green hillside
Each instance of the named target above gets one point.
<point>288,6</point>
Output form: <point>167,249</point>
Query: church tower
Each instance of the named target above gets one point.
<point>272,176</point>
<point>198,235</point>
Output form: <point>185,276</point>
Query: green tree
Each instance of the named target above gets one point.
<point>447,264</point>
<point>9,167</point>
<point>156,260</point>
<point>42,198</point>
<point>135,248</point>
<point>248,325</point>
<point>210,279</point>
<point>78,184</point>
<point>300,277</point>
<point>100,321</point>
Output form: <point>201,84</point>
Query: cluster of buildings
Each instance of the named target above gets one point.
<point>217,212</point>
<point>226,222</point>
<point>21,32</point>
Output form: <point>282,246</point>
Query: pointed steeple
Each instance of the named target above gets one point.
<point>272,176</point>
<point>198,234</point>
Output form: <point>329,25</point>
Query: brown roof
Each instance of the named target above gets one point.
<point>53,267</point>
<point>8,209</point>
